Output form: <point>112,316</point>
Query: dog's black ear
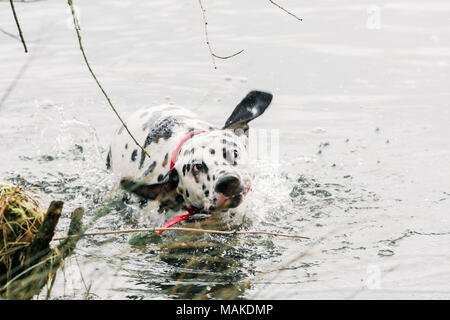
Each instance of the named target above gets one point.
<point>251,107</point>
<point>154,191</point>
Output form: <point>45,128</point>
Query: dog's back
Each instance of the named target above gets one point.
<point>151,126</point>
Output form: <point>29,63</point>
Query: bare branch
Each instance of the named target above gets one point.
<point>213,55</point>
<point>227,57</point>
<point>189,229</point>
<point>77,30</point>
<point>18,26</point>
<point>288,12</point>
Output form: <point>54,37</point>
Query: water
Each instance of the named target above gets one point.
<point>361,105</point>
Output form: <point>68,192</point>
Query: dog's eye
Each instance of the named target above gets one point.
<point>197,168</point>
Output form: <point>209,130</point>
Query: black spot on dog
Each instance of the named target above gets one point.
<point>188,167</point>
<point>108,159</point>
<point>216,163</point>
<point>141,162</point>
<point>150,169</point>
<point>126,146</point>
<point>203,187</point>
<point>134,155</point>
<point>163,129</point>
<point>205,167</point>
<point>207,193</point>
<point>166,157</point>
<point>212,151</point>
<point>186,152</point>
<point>227,155</point>
<point>187,193</point>
<point>184,170</point>
<point>208,177</point>
<point>160,177</point>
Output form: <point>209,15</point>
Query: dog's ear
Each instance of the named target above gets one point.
<point>159,190</point>
<point>251,107</point>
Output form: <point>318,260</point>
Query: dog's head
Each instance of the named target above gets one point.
<point>211,170</point>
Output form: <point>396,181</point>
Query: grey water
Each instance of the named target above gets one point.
<point>361,110</point>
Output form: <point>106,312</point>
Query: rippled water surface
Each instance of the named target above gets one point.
<point>361,105</point>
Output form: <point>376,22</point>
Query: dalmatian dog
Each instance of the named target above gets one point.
<point>188,163</point>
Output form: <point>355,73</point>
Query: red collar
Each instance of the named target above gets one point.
<point>191,211</point>
<point>180,144</point>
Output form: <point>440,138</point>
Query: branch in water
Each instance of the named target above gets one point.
<point>189,229</point>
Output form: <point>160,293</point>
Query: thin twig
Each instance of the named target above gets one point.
<point>77,30</point>
<point>8,252</point>
<point>18,26</point>
<point>213,55</point>
<point>188,229</point>
<point>227,57</point>
<point>88,289</point>
<point>276,4</point>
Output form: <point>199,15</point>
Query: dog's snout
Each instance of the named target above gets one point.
<point>229,186</point>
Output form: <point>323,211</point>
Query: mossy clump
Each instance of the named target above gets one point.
<point>21,215</point>
<point>27,260</point>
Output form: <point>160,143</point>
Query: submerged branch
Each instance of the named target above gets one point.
<point>188,229</point>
